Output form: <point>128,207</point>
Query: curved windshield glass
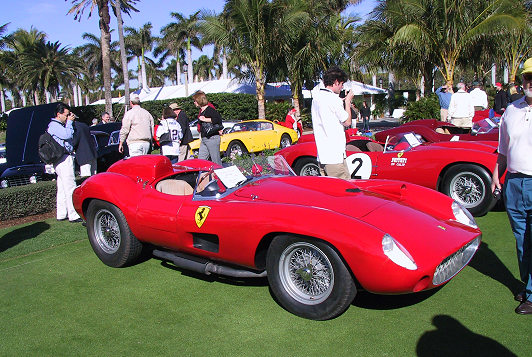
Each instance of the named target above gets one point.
<point>402,142</point>
<point>484,126</point>
<point>243,169</point>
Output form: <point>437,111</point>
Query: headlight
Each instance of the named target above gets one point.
<point>33,179</point>
<point>463,216</point>
<point>4,184</point>
<point>397,253</point>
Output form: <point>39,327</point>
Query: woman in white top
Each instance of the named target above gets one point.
<point>169,135</point>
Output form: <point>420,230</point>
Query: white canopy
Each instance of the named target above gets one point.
<point>216,86</point>
<point>358,88</point>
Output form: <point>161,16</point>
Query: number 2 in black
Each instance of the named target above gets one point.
<point>358,164</point>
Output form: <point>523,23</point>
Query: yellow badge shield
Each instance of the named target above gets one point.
<point>201,215</point>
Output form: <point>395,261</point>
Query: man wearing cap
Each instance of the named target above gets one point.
<point>187,138</point>
<point>461,108</point>
<point>479,97</point>
<point>137,129</point>
<point>444,94</point>
<point>500,101</point>
<point>515,146</point>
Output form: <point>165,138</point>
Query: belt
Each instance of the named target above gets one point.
<point>518,175</point>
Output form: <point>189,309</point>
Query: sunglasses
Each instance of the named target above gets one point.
<point>527,77</point>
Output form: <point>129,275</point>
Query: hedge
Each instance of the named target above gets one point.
<point>231,106</point>
<point>29,200</point>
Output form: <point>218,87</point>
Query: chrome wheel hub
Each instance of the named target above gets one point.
<point>468,189</point>
<point>306,273</point>
<point>107,231</point>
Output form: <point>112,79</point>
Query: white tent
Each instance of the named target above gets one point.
<point>215,86</point>
<point>357,87</point>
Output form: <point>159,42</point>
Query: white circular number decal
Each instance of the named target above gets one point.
<point>359,166</point>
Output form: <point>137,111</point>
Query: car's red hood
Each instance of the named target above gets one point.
<point>323,192</point>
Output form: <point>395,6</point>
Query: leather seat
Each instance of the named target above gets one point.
<point>174,187</point>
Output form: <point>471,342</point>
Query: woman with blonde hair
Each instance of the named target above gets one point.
<point>210,122</point>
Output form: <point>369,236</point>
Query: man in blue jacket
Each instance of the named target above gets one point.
<point>444,94</point>
<point>62,130</point>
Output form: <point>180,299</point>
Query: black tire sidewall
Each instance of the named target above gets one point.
<point>129,249</point>
<point>337,302</point>
<point>298,167</point>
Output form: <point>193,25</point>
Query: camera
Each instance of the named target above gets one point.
<point>497,193</point>
<point>342,93</point>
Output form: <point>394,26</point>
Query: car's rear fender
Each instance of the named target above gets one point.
<point>439,184</point>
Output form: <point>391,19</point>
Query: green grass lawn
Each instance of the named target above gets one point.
<point>59,299</point>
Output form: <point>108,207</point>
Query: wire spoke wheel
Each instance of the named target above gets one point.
<point>306,273</point>
<point>468,189</point>
<point>310,170</point>
<point>107,231</point>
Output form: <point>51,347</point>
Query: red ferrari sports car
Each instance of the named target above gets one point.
<point>459,169</point>
<point>432,130</point>
<point>197,215</point>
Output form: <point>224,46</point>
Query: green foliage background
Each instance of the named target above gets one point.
<point>425,108</point>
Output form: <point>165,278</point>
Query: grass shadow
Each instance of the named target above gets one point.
<point>451,338</point>
<point>367,300</point>
<point>488,263</point>
<point>217,278</point>
<point>19,235</point>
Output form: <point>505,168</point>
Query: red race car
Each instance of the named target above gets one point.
<point>434,130</point>
<point>232,221</point>
<point>459,169</point>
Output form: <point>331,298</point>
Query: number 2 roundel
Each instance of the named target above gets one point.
<point>359,166</point>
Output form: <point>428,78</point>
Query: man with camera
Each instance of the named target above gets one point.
<point>330,114</point>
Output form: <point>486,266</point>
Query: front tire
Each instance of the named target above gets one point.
<point>110,235</point>
<point>307,166</point>
<point>308,278</point>
<point>470,185</point>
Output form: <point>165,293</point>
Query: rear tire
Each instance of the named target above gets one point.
<point>308,278</point>
<point>110,235</point>
<point>286,141</point>
<point>470,185</point>
<point>307,166</point>
<point>236,148</point>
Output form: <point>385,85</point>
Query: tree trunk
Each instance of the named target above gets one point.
<point>80,98</point>
<point>123,57</point>
<point>75,94</point>
<point>2,99</point>
<point>189,60</point>
<point>260,95</point>
<point>36,97</point>
<point>144,77</point>
<point>103,11</point>
<point>177,69</point>
<point>225,75</point>
<point>23,96</point>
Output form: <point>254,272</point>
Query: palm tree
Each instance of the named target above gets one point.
<point>18,43</point>
<point>204,66</point>
<point>138,43</point>
<point>252,37</point>
<point>187,30</point>
<point>446,28</point>
<point>3,68</point>
<point>49,67</point>
<point>126,7</point>
<point>77,9</point>
<point>170,44</point>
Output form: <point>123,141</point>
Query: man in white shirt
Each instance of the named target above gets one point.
<point>515,146</point>
<point>479,97</point>
<point>461,108</point>
<point>330,114</point>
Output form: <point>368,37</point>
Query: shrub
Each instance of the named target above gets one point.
<point>425,108</point>
<point>28,200</point>
<point>277,110</point>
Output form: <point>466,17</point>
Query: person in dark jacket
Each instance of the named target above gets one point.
<point>187,138</point>
<point>500,100</point>
<point>85,148</point>
<point>365,113</point>
<point>210,139</point>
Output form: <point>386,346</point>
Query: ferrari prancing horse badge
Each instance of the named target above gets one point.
<point>201,215</point>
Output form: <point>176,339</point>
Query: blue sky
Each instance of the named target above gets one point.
<point>50,16</point>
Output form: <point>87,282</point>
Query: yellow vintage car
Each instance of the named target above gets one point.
<point>252,136</point>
